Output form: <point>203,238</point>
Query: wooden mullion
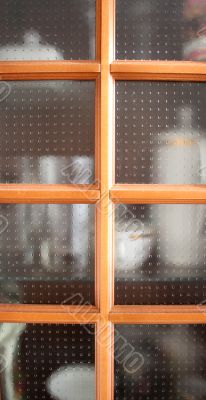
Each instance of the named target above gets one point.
<point>49,318</point>
<point>164,317</point>
<point>48,67</point>
<point>159,70</point>
<point>22,193</point>
<point>104,326</point>
<point>161,194</point>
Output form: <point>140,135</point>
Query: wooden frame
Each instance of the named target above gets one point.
<point>104,193</point>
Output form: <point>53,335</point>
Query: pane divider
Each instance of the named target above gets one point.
<point>15,70</point>
<point>162,314</point>
<point>104,333</point>
<point>49,314</point>
<point>40,194</point>
<point>159,70</point>
<point>161,194</point>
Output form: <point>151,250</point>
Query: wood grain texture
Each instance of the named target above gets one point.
<point>105,329</point>
<point>158,318</point>
<point>38,67</point>
<point>159,70</point>
<point>162,194</point>
<point>47,317</point>
<point>20,193</point>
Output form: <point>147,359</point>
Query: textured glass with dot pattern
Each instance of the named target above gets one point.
<point>44,361</point>
<point>160,254</point>
<point>47,30</point>
<point>47,132</point>
<point>160,362</point>
<point>160,132</point>
<point>47,253</point>
<point>161,30</point>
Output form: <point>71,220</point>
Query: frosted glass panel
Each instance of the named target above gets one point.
<point>47,132</point>
<point>47,362</point>
<point>160,254</point>
<point>161,30</point>
<point>47,30</point>
<point>47,253</point>
<point>160,362</point>
<point>160,132</point>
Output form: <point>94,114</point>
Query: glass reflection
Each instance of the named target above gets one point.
<point>160,253</point>
<point>47,362</point>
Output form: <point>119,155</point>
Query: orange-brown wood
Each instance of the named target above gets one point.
<point>20,193</point>
<point>159,70</point>
<point>48,317</point>
<point>104,327</point>
<point>158,194</point>
<point>48,67</point>
<point>53,309</point>
<point>158,309</point>
<point>97,131</point>
<point>158,318</point>
<point>48,76</point>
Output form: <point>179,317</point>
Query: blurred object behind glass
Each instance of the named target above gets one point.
<point>195,30</point>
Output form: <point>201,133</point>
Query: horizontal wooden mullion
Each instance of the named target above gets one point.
<point>159,70</point>
<point>161,194</point>
<point>34,70</point>
<point>48,314</point>
<point>158,314</point>
<point>21,193</point>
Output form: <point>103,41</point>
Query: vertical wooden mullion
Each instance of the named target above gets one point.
<point>104,326</point>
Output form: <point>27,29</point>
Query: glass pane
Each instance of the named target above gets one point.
<point>47,253</point>
<point>160,132</point>
<point>47,362</point>
<point>160,254</point>
<point>161,30</point>
<point>47,132</point>
<point>47,30</point>
<point>160,362</point>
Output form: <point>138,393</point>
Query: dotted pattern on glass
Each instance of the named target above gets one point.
<point>160,254</point>
<point>160,362</point>
<point>47,132</point>
<point>47,30</point>
<point>160,132</point>
<point>47,253</point>
<point>160,30</point>
<point>40,361</point>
